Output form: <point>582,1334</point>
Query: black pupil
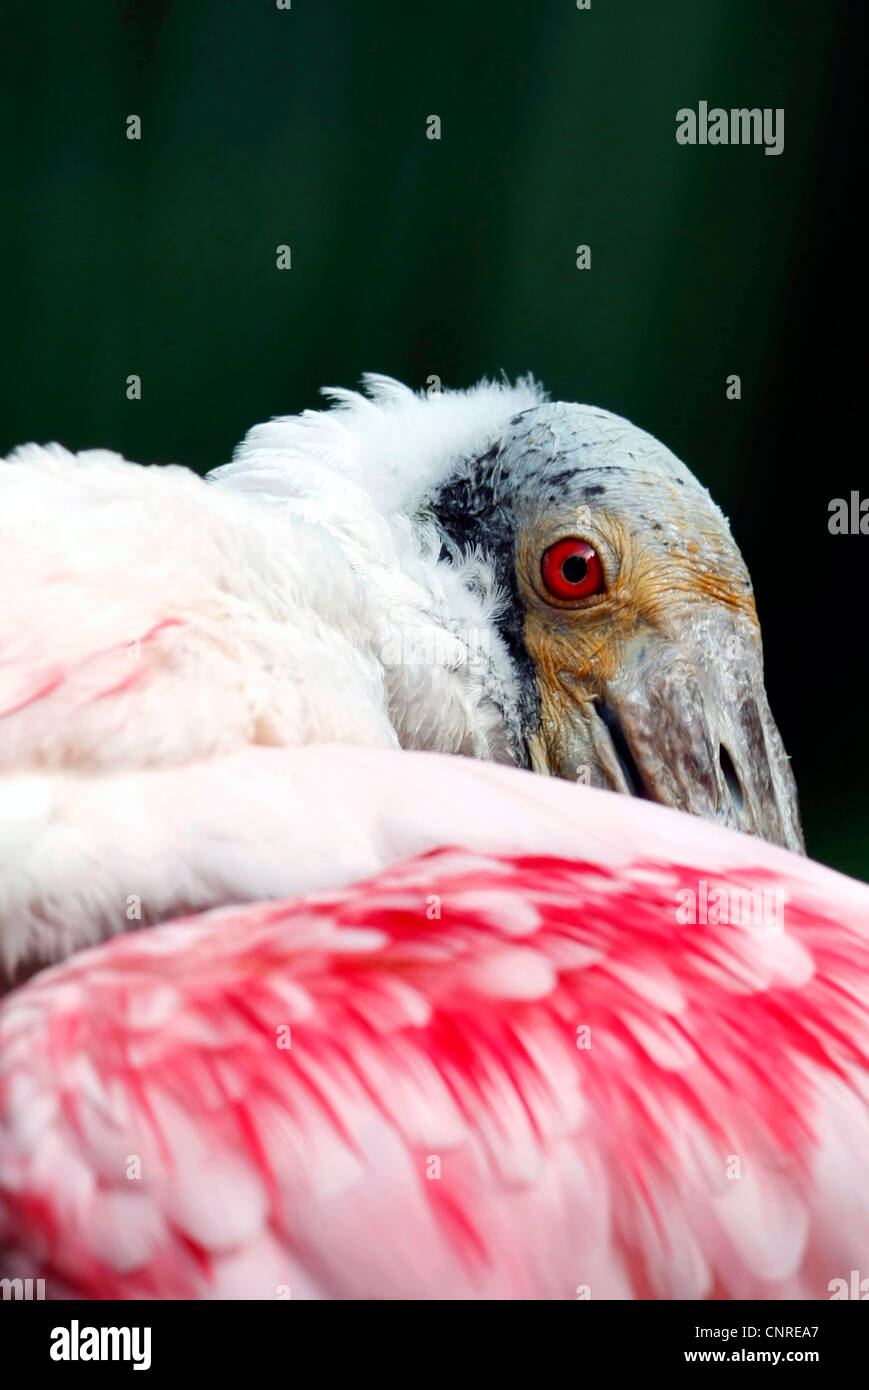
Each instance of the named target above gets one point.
<point>574,569</point>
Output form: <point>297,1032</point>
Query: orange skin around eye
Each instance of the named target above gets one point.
<point>555,570</point>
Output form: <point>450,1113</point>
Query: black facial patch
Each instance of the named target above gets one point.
<point>474,509</point>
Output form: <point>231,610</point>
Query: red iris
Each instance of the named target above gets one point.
<point>571,569</point>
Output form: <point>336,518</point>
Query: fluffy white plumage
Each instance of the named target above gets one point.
<point>391,443</point>
<point>160,620</point>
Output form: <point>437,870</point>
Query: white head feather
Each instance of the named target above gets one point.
<point>359,469</point>
<point>393,443</point>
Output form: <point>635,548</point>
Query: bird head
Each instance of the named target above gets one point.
<point>629,618</point>
<point>625,647</point>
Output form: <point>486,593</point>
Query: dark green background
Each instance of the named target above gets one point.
<point>457,257</point>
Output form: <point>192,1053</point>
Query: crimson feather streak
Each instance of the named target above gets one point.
<point>472,1076</point>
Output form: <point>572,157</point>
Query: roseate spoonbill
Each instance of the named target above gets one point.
<point>478,1074</point>
<point>476,572</point>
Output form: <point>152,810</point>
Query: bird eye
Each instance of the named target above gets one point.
<point>571,569</point>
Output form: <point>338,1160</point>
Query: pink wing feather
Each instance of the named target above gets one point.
<point>505,1077</point>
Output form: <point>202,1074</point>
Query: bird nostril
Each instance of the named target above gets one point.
<point>621,748</point>
<point>731,778</point>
